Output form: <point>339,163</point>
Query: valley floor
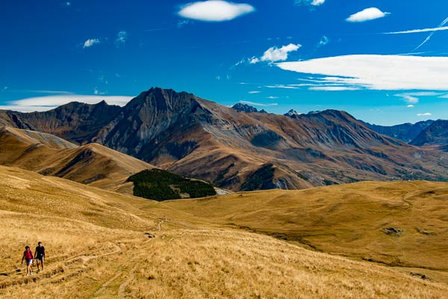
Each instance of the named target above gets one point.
<point>102,244</point>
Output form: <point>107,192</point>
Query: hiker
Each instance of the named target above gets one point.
<point>39,256</point>
<point>28,257</point>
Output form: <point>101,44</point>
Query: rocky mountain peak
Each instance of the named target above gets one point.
<point>292,114</point>
<point>240,107</point>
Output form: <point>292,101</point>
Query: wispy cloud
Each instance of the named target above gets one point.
<point>428,38</point>
<point>254,91</point>
<point>414,97</point>
<point>275,54</point>
<point>51,102</point>
<point>91,42</point>
<point>310,2</point>
<point>122,37</point>
<point>377,72</point>
<point>424,114</point>
<point>323,41</point>
<point>333,88</point>
<point>283,86</point>
<point>317,2</point>
<point>419,30</point>
<point>410,106</point>
<point>182,23</point>
<point>409,98</point>
<point>367,14</point>
<point>258,104</point>
<point>214,10</point>
<point>42,91</point>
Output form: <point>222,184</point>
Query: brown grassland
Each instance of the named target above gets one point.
<point>220,247</point>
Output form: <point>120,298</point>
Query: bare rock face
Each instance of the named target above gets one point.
<point>194,137</point>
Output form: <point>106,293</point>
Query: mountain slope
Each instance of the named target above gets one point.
<point>104,244</point>
<point>404,132</point>
<point>91,164</point>
<point>435,134</point>
<point>194,137</point>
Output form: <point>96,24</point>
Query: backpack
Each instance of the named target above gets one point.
<point>28,255</point>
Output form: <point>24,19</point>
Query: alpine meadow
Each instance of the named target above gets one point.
<point>223,149</point>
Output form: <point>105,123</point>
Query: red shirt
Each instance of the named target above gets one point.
<point>28,255</point>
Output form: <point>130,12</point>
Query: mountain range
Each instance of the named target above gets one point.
<point>406,132</point>
<point>234,148</point>
<point>425,133</point>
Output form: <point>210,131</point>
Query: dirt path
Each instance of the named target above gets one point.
<point>61,271</point>
<point>122,288</point>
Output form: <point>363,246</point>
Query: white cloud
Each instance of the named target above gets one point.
<point>215,10</point>
<point>258,104</point>
<point>424,114</point>
<point>310,2</point>
<point>279,54</point>
<point>377,72</point>
<point>254,60</point>
<point>275,54</point>
<point>317,2</point>
<point>410,106</point>
<point>121,39</point>
<point>254,91</point>
<point>413,97</point>
<point>51,102</point>
<point>91,42</point>
<point>367,14</point>
<point>419,30</point>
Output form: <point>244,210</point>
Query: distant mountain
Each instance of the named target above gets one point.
<point>244,108</point>
<point>292,114</point>
<point>77,122</point>
<point>193,137</point>
<point>435,134</point>
<point>405,132</point>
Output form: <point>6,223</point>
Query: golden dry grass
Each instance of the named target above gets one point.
<point>348,220</point>
<point>97,247</point>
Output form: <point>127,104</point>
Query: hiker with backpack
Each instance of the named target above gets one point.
<point>28,258</point>
<point>39,256</point>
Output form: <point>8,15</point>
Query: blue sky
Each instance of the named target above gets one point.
<point>301,54</point>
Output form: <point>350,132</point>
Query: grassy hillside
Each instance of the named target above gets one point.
<point>400,224</point>
<point>98,246</point>
<point>91,164</point>
<point>160,185</point>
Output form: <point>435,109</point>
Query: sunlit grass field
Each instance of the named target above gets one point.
<point>106,245</point>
